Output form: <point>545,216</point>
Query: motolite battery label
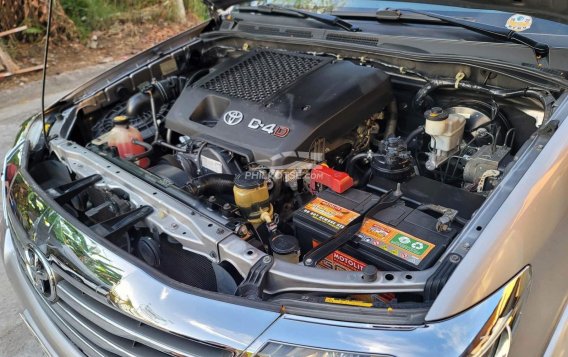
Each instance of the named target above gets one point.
<point>340,261</point>
<point>395,242</point>
<point>329,213</point>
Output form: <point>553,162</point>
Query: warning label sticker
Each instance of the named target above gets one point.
<point>340,261</point>
<point>331,300</point>
<point>395,242</point>
<point>329,213</point>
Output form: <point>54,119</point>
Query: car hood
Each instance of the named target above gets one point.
<point>556,10</point>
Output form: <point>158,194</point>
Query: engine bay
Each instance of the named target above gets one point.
<point>280,174</point>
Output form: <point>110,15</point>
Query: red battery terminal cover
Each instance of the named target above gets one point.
<point>337,181</point>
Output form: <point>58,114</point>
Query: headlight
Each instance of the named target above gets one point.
<point>273,349</point>
<point>494,340</point>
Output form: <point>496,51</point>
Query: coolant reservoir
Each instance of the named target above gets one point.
<point>446,131</point>
<point>252,198</point>
<point>121,137</point>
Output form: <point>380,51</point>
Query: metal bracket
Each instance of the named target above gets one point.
<point>65,193</point>
<point>253,286</point>
<point>120,224</point>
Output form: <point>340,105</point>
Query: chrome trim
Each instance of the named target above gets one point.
<point>37,312</point>
<point>120,287</point>
<point>39,272</point>
<point>13,151</point>
<point>117,324</point>
<point>135,296</point>
<point>470,333</point>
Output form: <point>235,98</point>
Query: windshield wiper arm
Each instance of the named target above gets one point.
<point>540,49</point>
<point>323,18</point>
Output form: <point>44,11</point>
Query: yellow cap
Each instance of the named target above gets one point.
<point>120,119</point>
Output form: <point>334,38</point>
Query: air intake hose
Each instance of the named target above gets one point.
<point>163,91</point>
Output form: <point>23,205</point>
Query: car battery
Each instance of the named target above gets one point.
<point>395,238</point>
<point>328,213</point>
<point>400,238</point>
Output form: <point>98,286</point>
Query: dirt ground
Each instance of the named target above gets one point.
<point>117,43</point>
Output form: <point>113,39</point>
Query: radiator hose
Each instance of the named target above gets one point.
<point>212,184</point>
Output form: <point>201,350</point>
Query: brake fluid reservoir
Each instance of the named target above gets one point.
<point>446,131</point>
<point>252,198</point>
<point>121,137</point>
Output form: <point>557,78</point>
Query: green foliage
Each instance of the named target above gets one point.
<point>34,31</point>
<point>197,8</point>
<point>89,15</point>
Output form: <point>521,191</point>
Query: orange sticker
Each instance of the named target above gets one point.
<point>395,242</point>
<point>340,261</point>
<point>329,213</point>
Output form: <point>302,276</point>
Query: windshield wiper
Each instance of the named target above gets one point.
<point>323,18</point>
<point>540,49</point>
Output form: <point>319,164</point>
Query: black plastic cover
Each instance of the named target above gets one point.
<point>267,103</point>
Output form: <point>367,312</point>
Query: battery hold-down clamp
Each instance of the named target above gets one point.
<point>314,256</point>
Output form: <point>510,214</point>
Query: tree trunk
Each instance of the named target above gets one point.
<point>179,11</point>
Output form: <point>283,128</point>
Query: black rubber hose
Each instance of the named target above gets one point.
<point>353,160</point>
<point>212,184</point>
<point>414,133</point>
<point>390,128</point>
<point>435,84</point>
<point>146,146</point>
<point>163,91</point>
<point>197,75</point>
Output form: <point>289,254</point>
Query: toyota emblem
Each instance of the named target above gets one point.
<point>233,117</point>
<point>39,271</point>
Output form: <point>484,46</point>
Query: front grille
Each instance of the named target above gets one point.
<point>261,74</point>
<point>114,333</point>
<point>98,329</point>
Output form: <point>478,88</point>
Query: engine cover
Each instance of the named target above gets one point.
<point>271,106</point>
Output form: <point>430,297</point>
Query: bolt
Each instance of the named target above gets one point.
<point>227,206</point>
<point>174,226</point>
<point>242,230</point>
<point>454,258</point>
<point>467,245</point>
<point>212,199</point>
<point>213,255</point>
<point>220,231</point>
<point>309,261</point>
<point>305,108</point>
<point>267,259</point>
<point>370,273</point>
<point>539,147</point>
